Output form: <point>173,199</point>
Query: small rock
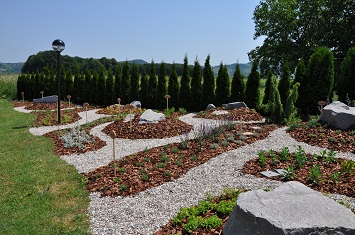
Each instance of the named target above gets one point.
<point>210,107</point>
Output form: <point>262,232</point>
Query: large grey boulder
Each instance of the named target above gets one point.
<point>149,116</point>
<point>234,105</point>
<point>291,208</point>
<point>46,99</point>
<point>339,116</point>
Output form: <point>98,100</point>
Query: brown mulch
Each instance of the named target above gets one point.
<point>249,115</point>
<point>60,150</point>
<point>346,186</point>
<point>169,127</point>
<point>180,157</point>
<point>343,141</point>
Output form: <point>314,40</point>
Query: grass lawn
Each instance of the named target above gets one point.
<point>39,192</point>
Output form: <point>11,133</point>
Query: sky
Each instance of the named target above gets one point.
<point>158,30</point>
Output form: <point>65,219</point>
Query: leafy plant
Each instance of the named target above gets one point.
<point>193,223</point>
<point>347,166</point>
<point>288,174</point>
<point>275,159</point>
<point>175,150</point>
<point>160,165</point>
<point>123,187</point>
<point>146,159</point>
<point>284,154</point>
<point>315,175</point>
<point>335,177</point>
<point>182,111</point>
<point>164,159</point>
<point>262,158</point>
<point>76,138</point>
<point>212,222</point>
<point>203,207</point>
<point>122,169</point>
<point>167,173</point>
<point>224,143</point>
<point>144,177</point>
<point>214,146</point>
<point>177,162</point>
<point>138,164</point>
<point>224,207</point>
<point>194,158</point>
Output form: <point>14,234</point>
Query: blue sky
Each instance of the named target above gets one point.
<point>133,29</point>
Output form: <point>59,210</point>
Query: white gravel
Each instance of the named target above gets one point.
<point>147,211</point>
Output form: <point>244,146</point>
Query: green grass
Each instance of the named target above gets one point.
<point>39,192</point>
<point>8,85</point>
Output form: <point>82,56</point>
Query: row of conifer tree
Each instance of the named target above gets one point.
<point>283,98</point>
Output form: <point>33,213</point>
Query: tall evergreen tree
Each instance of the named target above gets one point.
<point>94,82</point>
<point>267,87</point>
<point>290,109</point>
<point>144,87</point>
<point>86,86</point>
<point>118,81</point>
<point>135,82</point>
<point>152,86</point>
<point>300,77</point>
<point>109,87</point>
<point>68,83</point>
<point>161,87</point>
<point>101,88</point>
<point>209,84</point>
<point>252,93</point>
<point>238,86</point>
<point>125,84</point>
<point>185,89</point>
<point>196,91</point>
<point>320,80</point>
<point>76,86</point>
<point>284,84</point>
<point>173,87</point>
<point>275,106</point>
<point>346,85</point>
<point>222,86</point>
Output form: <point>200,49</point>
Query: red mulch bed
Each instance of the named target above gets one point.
<point>60,150</point>
<point>346,186</point>
<point>249,115</point>
<point>50,118</point>
<point>169,127</point>
<point>343,141</point>
<point>180,159</point>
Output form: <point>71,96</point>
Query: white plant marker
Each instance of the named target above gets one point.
<point>42,92</point>
<point>86,105</point>
<point>113,137</point>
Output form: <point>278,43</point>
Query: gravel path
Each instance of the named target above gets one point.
<point>145,212</point>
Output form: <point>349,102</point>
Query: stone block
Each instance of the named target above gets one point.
<point>234,105</point>
<point>338,116</point>
<point>149,116</point>
<point>46,99</point>
<point>291,208</point>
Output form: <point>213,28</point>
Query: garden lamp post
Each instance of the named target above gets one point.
<point>58,46</point>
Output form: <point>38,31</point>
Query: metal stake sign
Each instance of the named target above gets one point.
<point>113,137</point>
<point>42,92</point>
<point>69,96</point>
<point>86,105</point>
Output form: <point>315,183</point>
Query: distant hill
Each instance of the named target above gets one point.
<point>137,61</point>
<point>10,68</point>
<point>244,69</point>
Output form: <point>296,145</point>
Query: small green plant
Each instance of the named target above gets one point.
<point>214,146</point>
<point>212,222</point>
<point>315,175</point>
<point>203,207</point>
<point>160,165</point>
<point>288,173</point>
<point>164,159</point>
<point>242,137</point>
<point>224,207</point>
<point>177,162</point>
<point>138,164</point>
<point>330,157</point>
<point>347,166</point>
<point>175,150</point>
<point>182,214</point>
<point>352,132</point>
<point>116,180</point>
<point>193,223</point>
<point>224,143</point>
<point>239,142</point>
<point>338,132</point>
<point>311,135</point>
<point>122,169</point>
<point>182,111</point>
<point>230,138</point>
<point>332,140</point>
<point>146,150</point>
<point>123,187</point>
<point>284,154</point>
<point>335,177</point>
<point>255,134</point>
<point>105,187</point>
<point>275,158</point>
<point>142,171</point>
<point>313,122</point>
<point>144,177</point>
<point>262,158</point>
<point>146,159</point>
<point>167,173</point>
<point>194,158</point>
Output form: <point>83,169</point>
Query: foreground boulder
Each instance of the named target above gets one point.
<point>234,105</point>
<point>292,208</point>
<point>149,116</point>
<point>46,99</point>
<point>339,116</point>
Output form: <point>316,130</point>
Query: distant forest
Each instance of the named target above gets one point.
<point>46,60</point>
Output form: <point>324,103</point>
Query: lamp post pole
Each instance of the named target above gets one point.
<point>58,46</point>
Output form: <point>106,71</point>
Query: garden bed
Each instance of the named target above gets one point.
<point>153,167</point>
<point>233,115</point>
